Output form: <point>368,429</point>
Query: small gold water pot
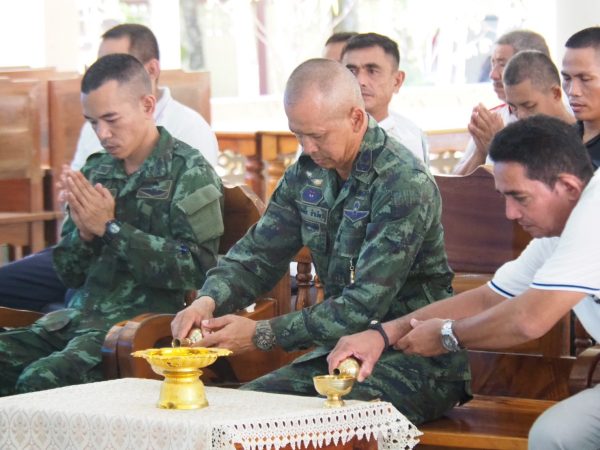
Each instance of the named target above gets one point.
<point>194,336</point>
<point>349,366</point>
<point>333,387</point>
<point>182,387</point>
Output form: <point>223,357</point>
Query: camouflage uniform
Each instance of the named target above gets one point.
<point>383,224</point>
<point>171,220</point>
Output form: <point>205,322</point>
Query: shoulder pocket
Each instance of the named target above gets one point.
<point>203,211</point>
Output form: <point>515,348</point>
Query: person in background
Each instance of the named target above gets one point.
<point>532,86</point>
<point>335,44</point>
<point>374,60</point>
<point>581,83</point>
<point>486,123</point>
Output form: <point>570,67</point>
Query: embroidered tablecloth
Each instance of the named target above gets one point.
<point>122,414</point>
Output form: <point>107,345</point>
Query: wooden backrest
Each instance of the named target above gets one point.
<point>478,236</point>
<point>242,209</point>
<point>20,171</point>
<point>190,88</point>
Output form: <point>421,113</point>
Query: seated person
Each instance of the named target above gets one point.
<point>484,124</point>
<point>369,212</point>
<point>143,227</point>
<point>375,60</point>
<point>581,72</point>
<point>32,283</point>
<point>545,174</point>
<point>532,86</point>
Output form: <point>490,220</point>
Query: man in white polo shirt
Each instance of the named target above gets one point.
<point>545,174</point>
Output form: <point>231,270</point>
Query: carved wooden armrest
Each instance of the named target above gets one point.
<point>584,368</point>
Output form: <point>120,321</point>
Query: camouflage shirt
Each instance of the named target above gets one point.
<point>170,212</point>
<point>376,240</point>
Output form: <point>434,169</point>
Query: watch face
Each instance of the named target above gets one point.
<point>113,228</point>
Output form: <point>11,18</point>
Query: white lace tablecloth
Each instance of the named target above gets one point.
<point>121,414</point>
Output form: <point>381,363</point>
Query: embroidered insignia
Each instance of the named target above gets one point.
<point>313,213</point>
<point>312,195</point>
<point>353,214</point>
<point>317,182</point>
<point>364,161</point>
<point>156,192</point>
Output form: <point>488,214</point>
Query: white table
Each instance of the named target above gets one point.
<point>121,414</point>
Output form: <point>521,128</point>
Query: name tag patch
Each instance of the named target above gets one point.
<point>313,213</point>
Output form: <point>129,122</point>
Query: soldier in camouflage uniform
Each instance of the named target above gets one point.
<point>370,213</point>
<point>144,229</point>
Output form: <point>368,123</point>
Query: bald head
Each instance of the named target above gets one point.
<point>324,80</point>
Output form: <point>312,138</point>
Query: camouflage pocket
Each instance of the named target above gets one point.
<point>349,242</point>
<point>203,211</point>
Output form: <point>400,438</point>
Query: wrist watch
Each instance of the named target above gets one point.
<point>264,338</point>
<point>376,325</point>
<point>111,230</point>
<point>449,340</point>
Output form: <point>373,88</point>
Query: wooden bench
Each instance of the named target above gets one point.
<point>503,421</point>
<point>22,214</point>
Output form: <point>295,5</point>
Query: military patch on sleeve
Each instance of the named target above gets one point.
<point>311,195</point>
<point>160,191</point>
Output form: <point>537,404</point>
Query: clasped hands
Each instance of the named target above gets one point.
<point>483,127</point>
<point>230,331</point>
<point>90,206</point>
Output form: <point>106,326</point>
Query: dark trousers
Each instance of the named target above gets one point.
<point>32,283</point>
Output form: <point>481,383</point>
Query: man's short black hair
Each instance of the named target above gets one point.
<point>366,40</point>
<point>545,146</point>
<point>340,36</point>
<point>531,65</point>
<point>120,67</point>
<point>588,37</point>
<point>142,42</point>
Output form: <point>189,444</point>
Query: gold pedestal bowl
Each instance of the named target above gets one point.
<point>181,367</point>
<point>333,387</point>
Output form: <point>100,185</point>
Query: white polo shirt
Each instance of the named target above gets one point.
<point>570,262</point>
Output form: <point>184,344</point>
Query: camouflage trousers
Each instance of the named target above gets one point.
<point>420,397</point>
<point>49,354</point>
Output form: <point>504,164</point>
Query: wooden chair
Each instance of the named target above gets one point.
<point>190,88</point>
<point>22,215</point>
<point>445,148</point>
